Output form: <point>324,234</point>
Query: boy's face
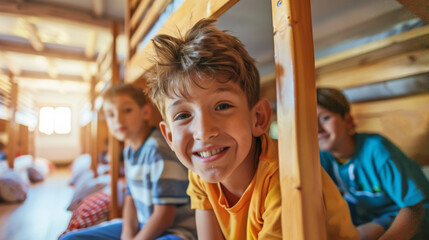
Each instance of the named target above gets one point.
<point>125,118</point>
<point>333,129</point>
<point>212,132</point>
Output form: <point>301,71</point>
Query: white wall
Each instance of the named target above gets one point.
<point>60,148</point>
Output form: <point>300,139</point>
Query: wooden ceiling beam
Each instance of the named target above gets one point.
<point>12,67</point>
<point>12,46</point>
<point>99,7</point>
<point>45,75</point>
<point>34,38</point>
<point>419,7</point>
<point>46,10</point>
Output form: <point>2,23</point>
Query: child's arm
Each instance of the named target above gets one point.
<point>406,223</point>
<point>160,220</point>
<point>130,223</point>
<point>207,225</point>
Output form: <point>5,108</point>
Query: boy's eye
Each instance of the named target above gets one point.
<point>127,110</point>
<point>223,106</point>
<point>110,115</point>
<point>325,118</point>
<point>181,116</point>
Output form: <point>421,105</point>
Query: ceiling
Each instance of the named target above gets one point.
<point>46,40</point>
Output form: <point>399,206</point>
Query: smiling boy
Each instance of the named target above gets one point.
<point>206,86</point>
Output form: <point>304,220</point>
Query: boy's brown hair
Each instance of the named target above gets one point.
<point>203,53</point>
<point>128,89</point>
<point>333,100</point>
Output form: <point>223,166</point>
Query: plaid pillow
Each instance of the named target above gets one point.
<point>91,211</point>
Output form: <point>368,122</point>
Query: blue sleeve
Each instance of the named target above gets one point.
<point>402,179</point>
<point>169,178</point>
<point>125,156</point>
<point>326,162</point>
<point>127,190</point>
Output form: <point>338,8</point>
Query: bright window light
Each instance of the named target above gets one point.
<point>56,120</point>
<point>46,123</point>
<point>62,120</point>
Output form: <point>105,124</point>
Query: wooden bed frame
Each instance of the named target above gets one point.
<point>95,133</point>
<point>19,136</point>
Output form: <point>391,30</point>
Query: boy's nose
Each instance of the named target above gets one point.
<point>319,127</point>
<point>205,128</point>
<point>119,118</point>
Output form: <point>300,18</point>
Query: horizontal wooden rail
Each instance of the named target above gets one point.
<point>403,65</point>
<point>137,15</point>
<point>411,40</point>
<point>148,21</point>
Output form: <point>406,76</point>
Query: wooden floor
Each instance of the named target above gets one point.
<point>43,215</point>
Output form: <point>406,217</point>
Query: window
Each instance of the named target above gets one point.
<point>55,120</point>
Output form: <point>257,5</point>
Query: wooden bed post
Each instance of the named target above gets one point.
<point>300,170</point>
<point>12,132</point>
<point>93,142</point>
<point>114,149</point>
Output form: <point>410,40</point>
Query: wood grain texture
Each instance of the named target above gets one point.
<point>13,126</point>
<point>419,7</point>
<point>404,121</point>
<point>179,20</point>
<point>300,170</point>
<point>414,39</point>
<point>395,67</point>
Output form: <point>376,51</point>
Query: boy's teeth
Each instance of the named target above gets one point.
<point>210,153</point>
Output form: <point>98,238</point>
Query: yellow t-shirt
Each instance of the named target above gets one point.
<point>260,205</point>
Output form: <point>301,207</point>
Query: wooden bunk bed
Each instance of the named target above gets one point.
<point>94,131</point>
<point>111,64</point>
<point>5,103</point>
<point>19,119</point>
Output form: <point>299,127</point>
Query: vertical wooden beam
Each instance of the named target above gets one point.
<point>300,170</point>
<point>114,149</point>
<point>93,149</point>
<point>99,7</point>
<point>32,144</point>
<point>115,63</point>
<point>23,139</point>
<point>129,53</point>
<point>13,126</point>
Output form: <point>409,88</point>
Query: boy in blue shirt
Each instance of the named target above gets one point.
<point>386,191</point>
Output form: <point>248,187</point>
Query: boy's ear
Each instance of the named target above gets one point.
<point>261,117</point>
<point>348,118</point>
<point>166,132</point>
<point>147,112</point>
